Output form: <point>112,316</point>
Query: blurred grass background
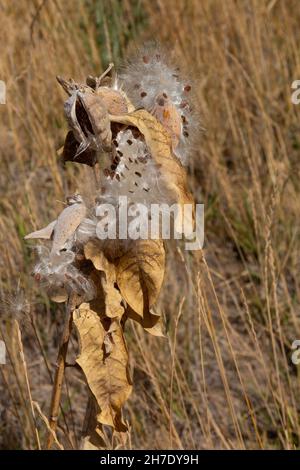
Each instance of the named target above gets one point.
<point>223,377</point>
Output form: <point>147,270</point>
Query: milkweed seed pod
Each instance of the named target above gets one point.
<point>97,113</point>
<point>86,230</point>
<point>87,116</point>
<point>150,82</point>
<point>114,100</point>
<point>62,231</point>
<point>87,111</point>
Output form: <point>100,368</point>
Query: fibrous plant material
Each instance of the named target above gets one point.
<point>106,282</point>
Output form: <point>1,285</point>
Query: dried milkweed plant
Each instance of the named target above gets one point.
<point>134,129</point>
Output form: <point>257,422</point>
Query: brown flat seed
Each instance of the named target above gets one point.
<point>143,94</point>
<point>129,142</point>
<point>138,174</point>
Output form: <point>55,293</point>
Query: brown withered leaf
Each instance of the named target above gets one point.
<point>105,369</point>
<point>151,322</point>
<point>112,296</point>
<point>93,437</point>
<point>93,441</point>
<point>140,274</point>
<point>159,142</point>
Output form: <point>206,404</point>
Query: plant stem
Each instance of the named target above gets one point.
<point>40,344</point>
<point>60,370</point>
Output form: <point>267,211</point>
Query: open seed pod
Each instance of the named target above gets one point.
<point>87,109</point>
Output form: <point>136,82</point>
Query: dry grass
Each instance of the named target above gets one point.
<point>223,377</point>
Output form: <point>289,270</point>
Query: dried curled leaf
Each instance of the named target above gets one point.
<point>159,143</point>
<point>93,441</point>
<point>151,322</point>
<point>140,274</point>
<point>105,369</point>
<point>112,297</point>
<point>93,437</point>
